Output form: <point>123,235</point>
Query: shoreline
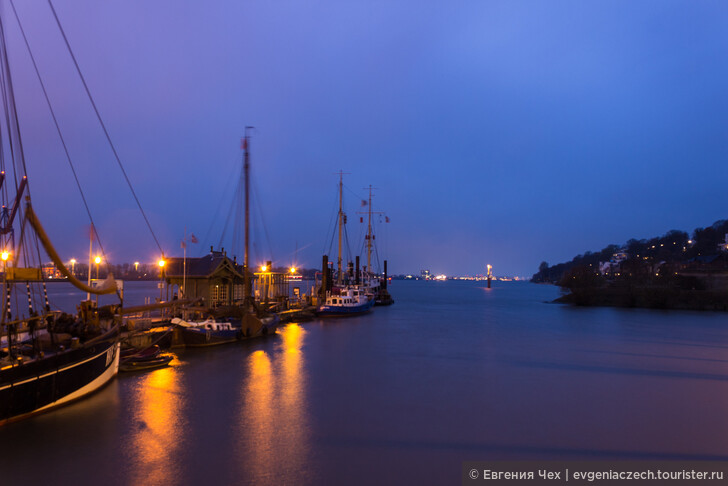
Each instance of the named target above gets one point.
<point>648,298</point>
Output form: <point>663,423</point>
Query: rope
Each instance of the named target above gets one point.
<point>103,126</point>
<point>58,129</point>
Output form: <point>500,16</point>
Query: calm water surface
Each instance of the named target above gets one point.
<point>451,372</point>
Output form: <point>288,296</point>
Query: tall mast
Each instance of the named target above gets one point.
<point>341,222</point>
<point>369,233</point>
<point>246,174</point>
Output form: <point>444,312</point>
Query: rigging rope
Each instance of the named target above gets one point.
<point>103,126</point>
<point>60,134</point>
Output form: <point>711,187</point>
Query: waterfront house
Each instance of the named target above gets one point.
<point>216,278</point>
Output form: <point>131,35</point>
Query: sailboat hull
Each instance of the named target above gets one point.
<point>57,380</point>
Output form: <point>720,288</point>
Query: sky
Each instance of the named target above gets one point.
<point>494,132</point>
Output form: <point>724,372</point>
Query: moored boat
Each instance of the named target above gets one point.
<point>346,301</point>
<point>34,384</point>
<point>211,332</point>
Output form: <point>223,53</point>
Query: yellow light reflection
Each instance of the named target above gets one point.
<point>258,419</point>
<point>157,438</point>
<point>274,420</point>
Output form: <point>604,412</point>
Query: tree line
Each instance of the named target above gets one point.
<point>645,255</point>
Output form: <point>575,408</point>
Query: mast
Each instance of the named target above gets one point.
<point>341,223</point>
<point>246,174</point>
<point>369,233</point>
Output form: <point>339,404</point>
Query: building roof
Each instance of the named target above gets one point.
<point>202,267</point>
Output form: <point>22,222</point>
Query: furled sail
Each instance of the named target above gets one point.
<point>108,286</point>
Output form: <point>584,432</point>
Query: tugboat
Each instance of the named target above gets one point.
<point>342,298</point>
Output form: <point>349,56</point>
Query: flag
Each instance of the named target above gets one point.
<point>192,239</point>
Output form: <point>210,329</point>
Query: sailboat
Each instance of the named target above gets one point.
<point>343,297</point>
<point>241,322</point>
<point>48,358</point>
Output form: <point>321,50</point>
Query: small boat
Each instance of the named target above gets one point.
<point>140,364</point>
<point>137,353</point>
<point>208,332</point>
<point>346,301</point>
<point>211,332</point>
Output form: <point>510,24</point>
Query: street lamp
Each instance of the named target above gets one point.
<point>5,255</point>
<point>97,261</point>
<point>136,267</point>
<point>263,268</point>
<point>73,267</point>
<point>161,264</point>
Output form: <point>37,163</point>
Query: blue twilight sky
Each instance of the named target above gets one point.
<point>501,132</point>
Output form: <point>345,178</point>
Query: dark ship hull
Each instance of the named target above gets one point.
<point>59,378</point>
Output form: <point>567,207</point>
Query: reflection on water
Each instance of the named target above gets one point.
<point>256,421</point>
<point>273,427</point>
<point>293,422</point>
<point>401,395</point>
<point>159,424</point>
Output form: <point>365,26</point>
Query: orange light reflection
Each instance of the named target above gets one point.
<point>158,436</point>
<point>274,422</point>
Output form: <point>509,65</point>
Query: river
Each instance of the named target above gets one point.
<point>452,372</point>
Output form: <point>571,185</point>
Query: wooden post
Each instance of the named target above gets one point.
<point>357,275</point>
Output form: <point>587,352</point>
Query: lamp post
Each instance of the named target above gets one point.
<point>136,267</point>
<point>73,267</point>
<point>6,315</point>
<point>97,261</point>
<point>161,264</point>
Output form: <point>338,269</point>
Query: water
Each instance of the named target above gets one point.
<point>451,372</point>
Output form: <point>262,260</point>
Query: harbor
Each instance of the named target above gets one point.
<point>252,243</point>
<point>306,397</point>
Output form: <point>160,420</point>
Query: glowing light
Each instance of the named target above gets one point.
<point>5,255</point>
<point>161,263</point>
<point>97,260</point>
<point>263,268</point>
<point>293,269</point>
<point>73,261</point>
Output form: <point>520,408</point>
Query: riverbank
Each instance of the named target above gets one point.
<point>648,297</point>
